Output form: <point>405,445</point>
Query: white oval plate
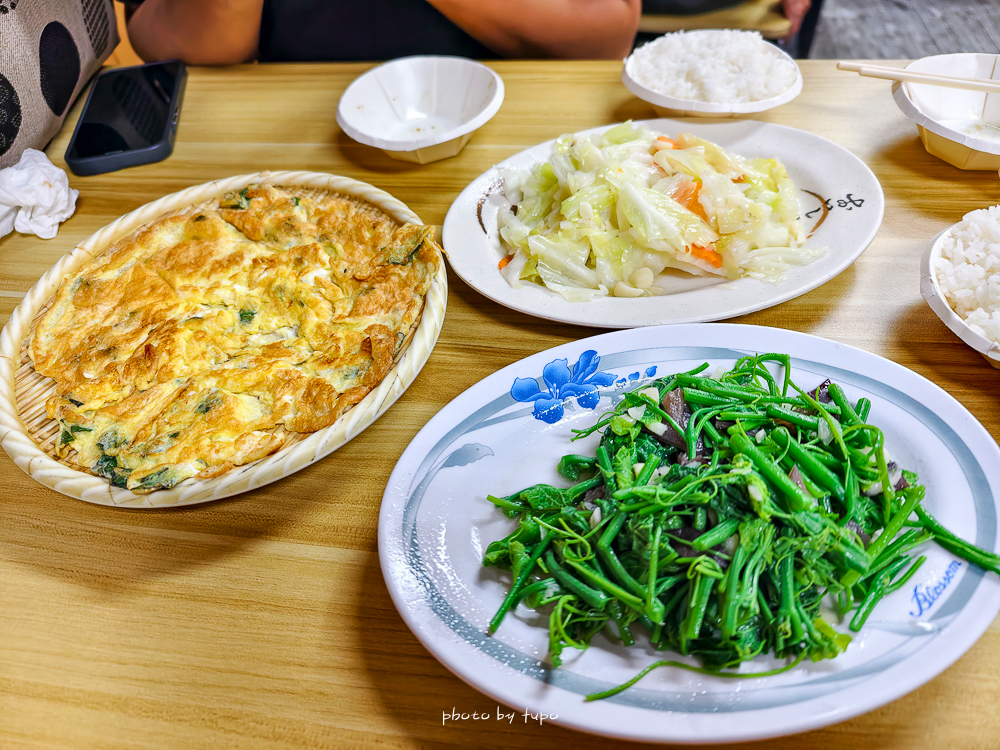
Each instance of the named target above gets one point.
<point>840,197</point>
<point>436,521</point>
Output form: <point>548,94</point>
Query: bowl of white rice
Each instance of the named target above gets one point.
<point>960,279</point>
<point>711,73</point>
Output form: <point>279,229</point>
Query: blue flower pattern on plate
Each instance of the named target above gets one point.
<point>581,382</point>
<point>650,372</point>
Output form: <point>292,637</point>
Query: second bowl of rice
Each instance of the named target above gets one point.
<point>711,73</point>
<point>960,280</point>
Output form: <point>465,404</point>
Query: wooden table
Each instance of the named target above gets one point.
<point>264,621</point>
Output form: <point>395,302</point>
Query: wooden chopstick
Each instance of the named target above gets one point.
<point>931,79</point>
<point>855,67</point>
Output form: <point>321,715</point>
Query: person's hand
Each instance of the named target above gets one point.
<point>795,11</point>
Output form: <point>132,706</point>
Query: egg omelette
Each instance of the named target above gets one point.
<point>201,341</point>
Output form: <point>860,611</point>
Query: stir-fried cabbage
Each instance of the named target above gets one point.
<point>609,214</point>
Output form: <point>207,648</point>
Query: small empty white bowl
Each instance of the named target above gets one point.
<point>671,106</point>
<point>932,293</point>
<point>954,124</point>
<point>420,109</point>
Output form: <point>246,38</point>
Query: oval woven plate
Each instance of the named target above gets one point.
<point>28,435</point>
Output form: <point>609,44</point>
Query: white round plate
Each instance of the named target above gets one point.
<point>436,521</point>
<point>842,205</point>
<point>28,436</point>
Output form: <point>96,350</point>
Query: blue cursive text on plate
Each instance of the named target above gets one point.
<point>924,599</point>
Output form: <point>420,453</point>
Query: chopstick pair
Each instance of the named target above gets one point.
<point>932,79</point>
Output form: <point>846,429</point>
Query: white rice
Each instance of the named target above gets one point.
<point>968,270</point>
<point>726,67</point>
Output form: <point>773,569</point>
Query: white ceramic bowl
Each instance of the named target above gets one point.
<point>931,291</point>
<point>950,120</point>
<point>670,106</point>
<point>420,109</point>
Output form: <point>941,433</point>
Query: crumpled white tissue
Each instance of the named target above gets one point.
<point>35,196</point>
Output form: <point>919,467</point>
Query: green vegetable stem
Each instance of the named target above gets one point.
<point>722,545</point>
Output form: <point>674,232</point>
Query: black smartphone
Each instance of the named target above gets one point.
<point>129,118</point>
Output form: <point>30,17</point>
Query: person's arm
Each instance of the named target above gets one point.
<point>200,32</point>
<point>795,11</point>
<point>548,28</point>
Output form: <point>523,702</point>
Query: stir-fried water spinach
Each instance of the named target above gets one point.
<point>717,514</point>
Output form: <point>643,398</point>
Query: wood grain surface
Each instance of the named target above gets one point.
<point>263,621</point>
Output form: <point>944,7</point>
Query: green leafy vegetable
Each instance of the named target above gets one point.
<point>160,479</point>
<point>212,400</point>
<point>237,201</point>
<point>69,432</point>
<point>110,440</point>
<point>720,534</point>
<point>107,467</point>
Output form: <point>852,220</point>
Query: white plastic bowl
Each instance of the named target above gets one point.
<point>931,291</point>
<point>670,106</point>
<point>947,118</point>
<point>420,109</point>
